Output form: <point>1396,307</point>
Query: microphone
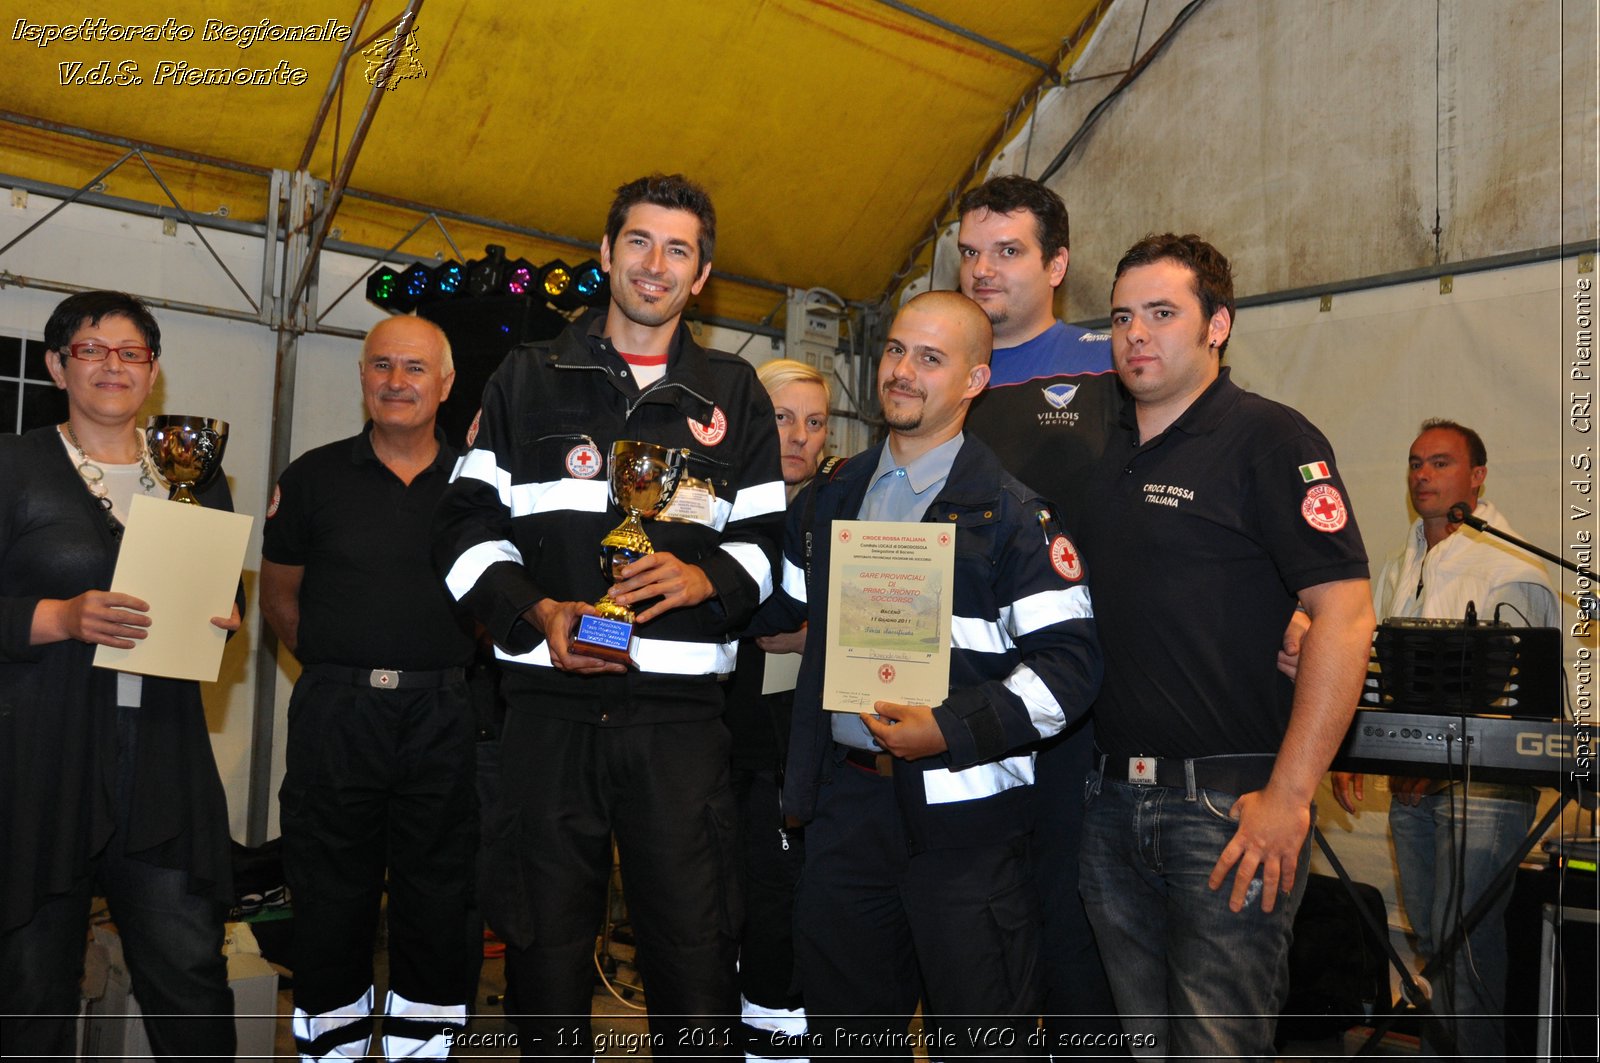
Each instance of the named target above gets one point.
<point>1472,614</point>
<point>1461,514</point>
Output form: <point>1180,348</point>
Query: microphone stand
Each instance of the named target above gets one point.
<point>1588,606</point>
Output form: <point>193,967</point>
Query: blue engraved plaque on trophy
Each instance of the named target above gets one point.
<point>643,479</point>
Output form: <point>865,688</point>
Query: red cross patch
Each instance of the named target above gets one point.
<point>472,430</point>
<point>1324,508</point>
<point>886,673</point>
<point>844,535</point>
<point>944,538</point>
<point>1064,558</point>
<point>583,462</point>
<point>277,496</point>
<point>710,434</point>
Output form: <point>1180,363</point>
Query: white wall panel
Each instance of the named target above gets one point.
<point>1318,141</point>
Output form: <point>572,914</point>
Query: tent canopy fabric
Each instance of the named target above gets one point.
<point>831,133</point>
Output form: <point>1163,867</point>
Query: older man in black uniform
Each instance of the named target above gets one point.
<point>601,748</point>
<point>381,735</point>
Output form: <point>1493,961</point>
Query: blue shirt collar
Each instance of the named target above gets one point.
<point>923,471</point>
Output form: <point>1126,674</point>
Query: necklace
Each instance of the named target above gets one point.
<point>95,477</point>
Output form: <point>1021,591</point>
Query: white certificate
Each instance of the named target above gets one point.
<point>184,561</point>
<point>890,586</point>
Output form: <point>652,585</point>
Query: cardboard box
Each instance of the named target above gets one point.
<point>112,1026</point>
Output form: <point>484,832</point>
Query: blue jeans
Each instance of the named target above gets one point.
<point>1077,995</point>
<point>1190,977</point>
<point>1445,832</point>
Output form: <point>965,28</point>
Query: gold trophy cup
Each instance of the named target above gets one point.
<point>643,478</point>
<point>186,451</point>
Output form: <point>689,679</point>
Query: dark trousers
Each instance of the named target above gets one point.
<point>378,782</point>
<point>769,865</point>
<point>1077,995</point>
<point>877,927</point>
<point>662,790</point>
<point>171,942</point>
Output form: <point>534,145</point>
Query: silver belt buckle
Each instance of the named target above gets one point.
<point>1142,770</point>
<point>384,679</point>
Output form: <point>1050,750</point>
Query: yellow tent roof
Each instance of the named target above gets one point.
<point>830,132</point>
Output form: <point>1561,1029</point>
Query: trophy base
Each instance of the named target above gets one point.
<point>603,638</point>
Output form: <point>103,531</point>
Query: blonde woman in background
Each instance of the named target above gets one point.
<point>770,853</point>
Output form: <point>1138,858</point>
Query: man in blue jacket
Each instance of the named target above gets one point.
<point>918,877</point>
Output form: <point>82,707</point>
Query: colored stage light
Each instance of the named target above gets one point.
<point>555,278</point>
<point>520,277</point>
<point>448,280</point>
<point>589,282</point>
<point>414,284</point>
<point>382,284</point>
<point>423,283</point>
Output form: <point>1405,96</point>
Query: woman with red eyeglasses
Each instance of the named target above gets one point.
<point>108,786</point>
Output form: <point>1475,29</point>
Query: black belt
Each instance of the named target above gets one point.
<point>868,761</point>
<point>389,678</point>
<point>1230,773</point>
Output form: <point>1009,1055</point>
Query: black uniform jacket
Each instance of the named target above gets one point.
<point>1024,658</point>
<point>529,505</point>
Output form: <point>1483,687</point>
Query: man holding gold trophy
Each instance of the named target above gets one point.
<point>614,722</point>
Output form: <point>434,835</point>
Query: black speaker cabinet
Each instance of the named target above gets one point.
<point>481,332</point>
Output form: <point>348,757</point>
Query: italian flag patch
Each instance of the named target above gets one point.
<point>1317,470</point>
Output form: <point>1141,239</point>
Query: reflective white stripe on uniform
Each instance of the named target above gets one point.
<point>539,655</point>
<point>982,636</point>
<point>794,581</point>
<point>787,1022</point>
<point>475,561</point>
<point>1044,712</point>
<point>758,500</point>
<point>662,656</point>
<point>435,1047</point>
<point>567,495</point>
<point>1045,608</point>
<point>686,658</point>
<point>723,511</point>
<point>308,1028</point>
<point>941,786</point>
<point>754,561</point>
<point>480,465</point>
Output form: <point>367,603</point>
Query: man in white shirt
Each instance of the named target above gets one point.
<point>1441,569</point>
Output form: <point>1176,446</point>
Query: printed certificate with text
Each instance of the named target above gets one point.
<point>890,586</point>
